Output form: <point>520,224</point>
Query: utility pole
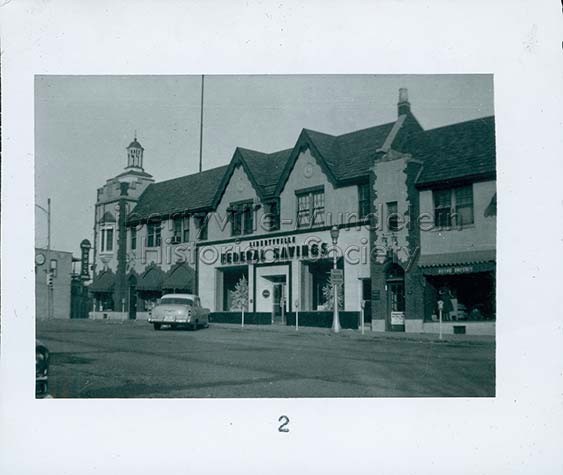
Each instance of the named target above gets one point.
<point>201,126</point>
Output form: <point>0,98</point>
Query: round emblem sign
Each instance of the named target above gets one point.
<point>40,259</point>
<point>265,293</point>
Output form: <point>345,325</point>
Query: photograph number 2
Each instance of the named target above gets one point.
<point>279,236</point>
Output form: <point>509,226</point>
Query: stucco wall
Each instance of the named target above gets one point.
<point>479,236</point>
<point>341,202</point>
<point>391,185</point>
<point>239,188</point>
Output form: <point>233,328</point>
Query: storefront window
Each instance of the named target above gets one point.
<point>466,297</point>
<point>235,289</point>
<point>320,273</point>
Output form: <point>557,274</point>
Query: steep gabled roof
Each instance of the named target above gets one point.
<point>454,152</point>
<point>343,158</point>
<point>266,169</point>
<point>263,171</point>
<point>191,192</point>
<point>463,150</point>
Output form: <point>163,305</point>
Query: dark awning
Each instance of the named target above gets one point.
<point>491,209</point>
<point>151,279</point>
<point>458,262</point>
<point>180,277</point>
<point>103,282</point>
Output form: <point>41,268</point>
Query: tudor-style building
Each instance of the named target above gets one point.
<point>415,209</point>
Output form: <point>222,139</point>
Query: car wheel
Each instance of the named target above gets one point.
<point>156,326</point>
<point>206,325</point>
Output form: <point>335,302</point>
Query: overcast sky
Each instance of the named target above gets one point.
<point>84,123</point>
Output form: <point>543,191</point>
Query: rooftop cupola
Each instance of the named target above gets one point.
<point>135,155</point>
<point>403,106</point>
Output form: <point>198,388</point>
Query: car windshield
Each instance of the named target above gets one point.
<point>176,301</point>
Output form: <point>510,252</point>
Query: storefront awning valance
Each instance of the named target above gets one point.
<point>104,282</point>
<point>151,280</point>
<point>458,262</point>
<point>181,276</point>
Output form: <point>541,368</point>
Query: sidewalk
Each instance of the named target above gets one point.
<point>368,333</point>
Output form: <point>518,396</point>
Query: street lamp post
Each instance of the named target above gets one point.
<point>334,232</point>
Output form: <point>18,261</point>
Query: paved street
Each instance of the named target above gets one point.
<point>101,359</point>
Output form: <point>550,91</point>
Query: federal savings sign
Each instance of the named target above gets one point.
<point>275,249</point>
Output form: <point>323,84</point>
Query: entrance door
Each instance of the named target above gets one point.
<point>278,310</point>
<point>395,284</point>
<point>396,295</point>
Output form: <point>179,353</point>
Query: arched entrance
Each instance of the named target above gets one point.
<point>395,287</point>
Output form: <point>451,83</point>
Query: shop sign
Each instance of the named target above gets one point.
<point>85,247</point>
<point>275,250</point>
<point>337,276</point>
<point>455,270</point>
<point>397,318</point>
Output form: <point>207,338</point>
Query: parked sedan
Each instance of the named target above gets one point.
<point>179,310</point>
<point>41,370</point>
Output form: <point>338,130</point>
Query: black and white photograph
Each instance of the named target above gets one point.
<point>280,237</point>
<point>319,236</point>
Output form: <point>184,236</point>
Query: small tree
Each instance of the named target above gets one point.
<point>328,293</point>
<point>239,296</point>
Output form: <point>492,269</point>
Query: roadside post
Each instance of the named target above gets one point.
<point>440,308</point>
<point>363,314</point>
<point>296,314</point>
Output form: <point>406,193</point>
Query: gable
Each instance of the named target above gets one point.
<point>305,173</point>
<point>239,187</point>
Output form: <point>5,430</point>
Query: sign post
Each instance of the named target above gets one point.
<point>363,314</point>
<point>440,308</point>
<point>296,314</point>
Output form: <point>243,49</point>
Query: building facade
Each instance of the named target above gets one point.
<point>53,277</point>
<point>415,212</point>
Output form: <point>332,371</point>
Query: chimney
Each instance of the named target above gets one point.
<point>403,106</point>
